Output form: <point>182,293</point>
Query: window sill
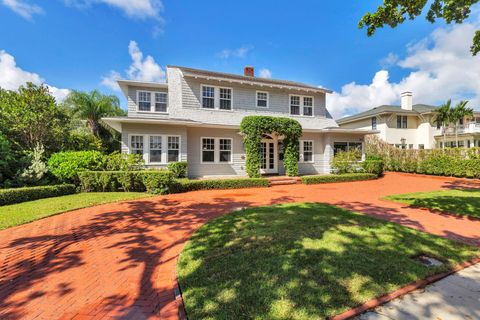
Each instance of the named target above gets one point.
<point>216,163</point>
<point>150,112</point>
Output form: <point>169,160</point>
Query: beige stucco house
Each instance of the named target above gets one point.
<point>195,116</point>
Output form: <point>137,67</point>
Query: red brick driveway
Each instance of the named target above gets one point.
<point>117,261</point>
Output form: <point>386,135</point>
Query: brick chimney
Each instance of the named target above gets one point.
<point>407,103</point>
<point>249,71</point>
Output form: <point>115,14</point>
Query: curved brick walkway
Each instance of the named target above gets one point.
<point>118,260</point>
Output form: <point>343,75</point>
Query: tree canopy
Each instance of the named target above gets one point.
<point>395,12</point>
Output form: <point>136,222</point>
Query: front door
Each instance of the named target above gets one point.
<point>269,157</point>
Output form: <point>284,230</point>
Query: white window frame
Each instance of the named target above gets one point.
<point>152,101</point>
<point>268,99</point>
<point>146,147</point>
<point>302,105</point>
<point>216,97</point>
<point>302,146</point>
<point>216,150</point>
<point>161,149</point>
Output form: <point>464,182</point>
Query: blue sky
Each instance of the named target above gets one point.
<point>76,44</point>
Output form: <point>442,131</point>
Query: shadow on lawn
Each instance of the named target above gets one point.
<point>307,261</point>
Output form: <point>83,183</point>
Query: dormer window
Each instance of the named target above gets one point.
<point>262,99</point>
<point>301,105</point>
<point>149,101</point>
<point>216,98</point>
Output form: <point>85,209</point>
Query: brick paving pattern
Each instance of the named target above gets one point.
<point>117,261</point>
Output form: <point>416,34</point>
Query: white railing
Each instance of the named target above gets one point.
<point>469,128</point>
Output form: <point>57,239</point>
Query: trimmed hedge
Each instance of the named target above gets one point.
<point>65,166</point>
<point>18,195</point>
<point>155,181</point>
<point>179,169</point>
<point>338,178</point>
<point>185,185</point>
<point>373,166</point>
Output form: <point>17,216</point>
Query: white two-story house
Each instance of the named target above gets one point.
<point>195,117</point>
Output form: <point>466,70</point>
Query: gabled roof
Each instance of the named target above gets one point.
<point>417,109</point>
<point>191,72</point>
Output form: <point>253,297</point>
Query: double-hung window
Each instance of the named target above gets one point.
<point>402,122</point>
<point>225,99</point>
<point>136,145</point>
<point>216,150</point>
<point>262,99</point>
<point>306,151</point>
<point>301,105</point>
<point>144,101</point>
<point>346,146</point>
<point>155,149</point>
<point>374,123</point>
<point>173,153</point>
<point>208,97</point>
<point>160,102</point>
<point>307,106</point>
<point>149,101</point>
<point>208,150</point>
<point>295,105</point>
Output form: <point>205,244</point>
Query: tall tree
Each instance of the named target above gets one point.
<point>92,107</point>
<point>443,118</point>
<point>395,12</point>
<point>459,113</point>
<point>30,117</point>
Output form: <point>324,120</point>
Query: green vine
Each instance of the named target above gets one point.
<point>254,127</point>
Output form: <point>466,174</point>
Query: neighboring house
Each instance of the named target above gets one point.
<point>407,126</point>
<point>467,135</point>
<point>195,117</point>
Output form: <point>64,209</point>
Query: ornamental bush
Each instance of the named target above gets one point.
<point>185,185</point>
<point>338,178</point>
<point>346,161</point>
<point>18,195</point>
<point>373,166</point>
<point>179,169</point>
<point>254,127</point>
<point>65,166</point>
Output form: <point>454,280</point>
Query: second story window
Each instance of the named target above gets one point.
<point>402,122</point>
<point>160,102</point>
<point>208,97</point>
<point>262,99</point>
<point>307,106</point>
<point>225,99</point>
<point>301,105</point>
<point>144,101</point>
<point>374,123</point>
<point>295,105</point>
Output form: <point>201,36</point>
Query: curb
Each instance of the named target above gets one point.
<point>371,304</point>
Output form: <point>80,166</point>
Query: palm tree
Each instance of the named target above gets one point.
<point>460,112</point>
<point>444,117</point>
<point>92,106</point>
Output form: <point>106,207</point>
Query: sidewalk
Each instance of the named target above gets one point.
<point>452,298</point>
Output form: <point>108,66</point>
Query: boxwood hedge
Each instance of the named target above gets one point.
<point>338,178</point>
<point>18,195</point>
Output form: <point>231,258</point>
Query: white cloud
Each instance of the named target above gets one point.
<point>235,53</point>
<point>22,8</point>
<point>265,73</point>
<point>441,65</point>
<point>390,60</point>
<point>12,77</point>
<point>141,69</point>
<point>140,9</point>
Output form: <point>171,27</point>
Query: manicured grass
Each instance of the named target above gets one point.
<point>463,202</point>
<point>16,214</point>
<point>302,261</point>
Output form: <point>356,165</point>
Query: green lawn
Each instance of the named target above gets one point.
<point>16,214</point>
<point>302,261</point>
<point>463,202</point>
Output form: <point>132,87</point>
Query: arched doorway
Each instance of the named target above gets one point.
<point>269,154</point>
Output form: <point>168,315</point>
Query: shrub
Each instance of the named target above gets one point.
<point>373,166</point>
<point>154,181</point>
<point>66,165</point>
<point>179,169</point>
<point>17,195</point>
<point>118,161</point>
<point>185,185</point>
<point>338,178</point>
<point>35,173</point>
<point>346,161</point>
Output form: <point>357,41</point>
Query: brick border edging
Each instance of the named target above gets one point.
<point>371,304</point>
